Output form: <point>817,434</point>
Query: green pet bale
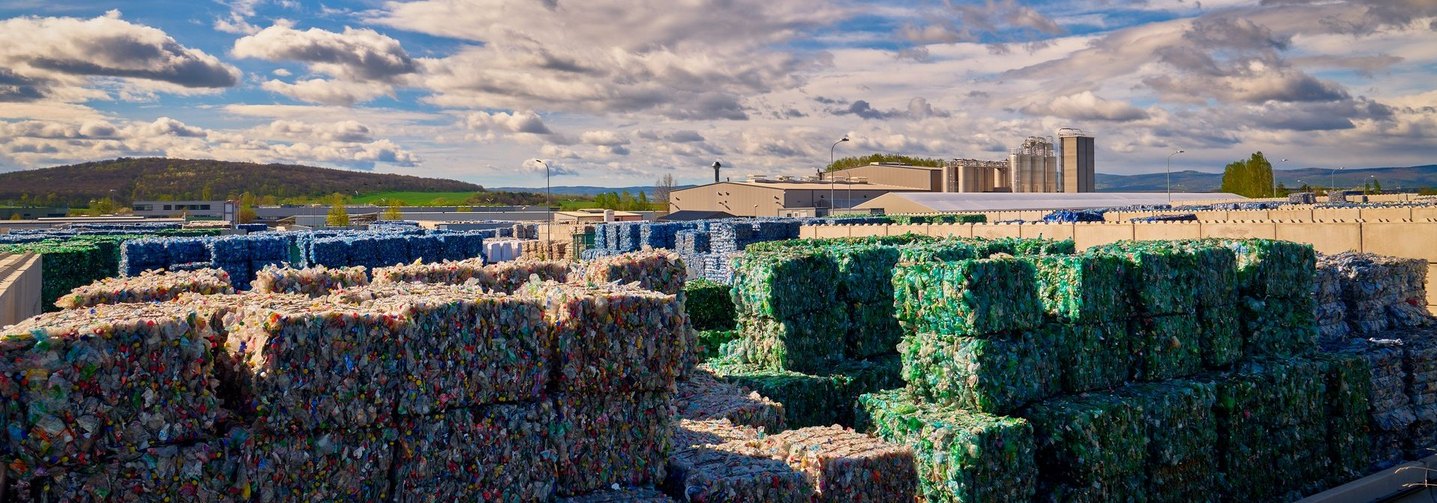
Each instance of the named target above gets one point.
<point>808,400</point>
<point>1092,357</point>
<point>1096,438</point>
<point>709,305</point>
<point>1082,288</point>
<point>961,456</point>
<point>1272,429</point>
<point>1167,347</point>
<point>872,330</point>
<point>1161,279</point>
<point>990,374</point>
<point>1221,338</point>
<point>784,284</point>
<point>967,297</point>
<point>806,342</point>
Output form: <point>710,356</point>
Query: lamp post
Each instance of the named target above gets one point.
<point>1170,175</point>
<point>830,173</point>
<point>548,203</point>
<point>1332,180</point>
<point>1274,180</point>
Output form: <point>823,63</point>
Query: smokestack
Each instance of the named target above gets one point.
<point>716,171</point>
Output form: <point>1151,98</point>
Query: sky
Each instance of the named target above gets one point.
<point>622,92</point>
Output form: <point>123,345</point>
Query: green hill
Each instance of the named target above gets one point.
<point>128,179</point>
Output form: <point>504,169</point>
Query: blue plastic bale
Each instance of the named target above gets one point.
<point>140,255</point>
<point>268,248</point>
<point>228,249</point>
<point>365,250</point>
<point>426,248</point>
<point>330,252</point>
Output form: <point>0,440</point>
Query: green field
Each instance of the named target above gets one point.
<point>415,198</point>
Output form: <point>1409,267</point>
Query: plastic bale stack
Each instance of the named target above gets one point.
<point>501,451</point>
<point>1381,292</point>
<point>1170,347</point>
<point>967,297</point>
<point>1348,384</point>
<point>1332,328</point>
<point>106,381</point>
<point>1392,411</point>
<point>501,342</point>
<point>690,242</point>
<point>943,250</point>
<point>709,305</point>
<point>843,465</point>
<point>617,438</point>
<point>1085,299</point>
<point>1216,296</point>
<point>960,456</point>
<point>865,285</point>
<point>1271,429</point>
<point>63,265</point>
<point>1275,281</point>
<point>1089,447</point>
<point>335,465</point>
<point>1419,359</point>
<point>658,270</point>
<point>994,373</point>
<point>703,397</point>
<point>808,400</point>
<point>787,308</point>
<point>185,250</point>
<point>232,254</point>
<point>621,495</point>
<point>140,255</point>
<point>152,286</point>
<point>315,281</point>
<point>313,365</point>
<point>509,277</point>
<point>447,272</point>
<point>1162,280</point>
<point>1181,431</point>
<point>208,470</point>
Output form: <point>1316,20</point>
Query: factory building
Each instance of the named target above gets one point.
<point>1032,167</point>
<point>1078,166</point>
<point>973,175</point>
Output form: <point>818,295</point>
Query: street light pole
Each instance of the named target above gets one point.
<point>548,203</point>
<point>1170,175</point>
<point>1332,180</point>
<point>1274,181</point>
<point>831,171</point>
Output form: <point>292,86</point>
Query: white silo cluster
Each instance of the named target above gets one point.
<point>1033,167</point>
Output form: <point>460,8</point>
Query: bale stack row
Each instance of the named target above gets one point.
<point>506,277</point>
<point>282,397</point>
<point>1371,294</point>
<point>152,286</point>
<point>545,250</point>
<point>315,281</point>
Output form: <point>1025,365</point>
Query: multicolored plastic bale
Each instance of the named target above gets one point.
<point>740,470</point>
<point>83,385</point>
<point>619,438</point>
<point>1095,438</point>
<point>1090,288</point>
<point>1349,421</point>
<point>704,397</point>
<point>612,338</point>
<point>1271,429</point>
<point>808,400</point>
<point>967,297</point>
<point>1220,336</point>
<point>151,286</point>
<point>996,374</point>
<point>315,281</point>
<point>1092,357</point>
<point>485,453</point>
<point>709,304</point>
<point>1161,279</point>
<point>209,470</point>
<point>340,465</point>
<point>960,456</point>
<point>621,495</point>
<point>782,285</point>
<point>1167,347</point>
<point>658,270</point>
<point>689,433</point>
<point>847,466</point>
<point>805,342</point>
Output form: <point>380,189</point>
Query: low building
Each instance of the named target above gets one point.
<point>938,202</point>
<point>771,197</point>
<point>595,216</point>
<point>218,210</point>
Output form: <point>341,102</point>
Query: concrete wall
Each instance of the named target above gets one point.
<point>20,284</point>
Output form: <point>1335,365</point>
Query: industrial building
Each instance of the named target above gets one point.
<point>762,196</point>
<point>218,210</point>
<point>933,202</point>
<point>1079,174</point>
<point>1032,167</point>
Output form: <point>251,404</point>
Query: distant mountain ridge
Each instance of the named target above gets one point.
<point>127,179</point>
<point>1196,181</point>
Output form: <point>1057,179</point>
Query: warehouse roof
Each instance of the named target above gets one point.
<point>909,202</point>
<point>823,185</point>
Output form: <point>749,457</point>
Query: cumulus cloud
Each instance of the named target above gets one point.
<point>553,167</point>
<point>507,122</point>
<point>603,138</point>
<point>56,58</point>
<point>329,92</point>
<point>1086,106</point>
<point>354,54</point>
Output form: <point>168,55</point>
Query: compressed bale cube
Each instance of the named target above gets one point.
<point>104,381</point>
<point>1095,438</point>
<point>1026,246</point>
<point>140,255</point>
<point>314,281</point>
<point>1216,284</point>
<point>704,397</point>
<point>872,330</point>
<point>152,286</point>
<point>457,454</point>
<point>209,471</point>
<point>331,252</point>
<point>1347,380</point>
<point>736,471</point>
<point>1125,487</point>
<point>1271,429</point>
<point>500,343</point>
<point>1391,406</point>
<point>784,285</point>
<point>1167,347</point>
<point>967,297</point>
<point>181,250</point>
<point>805,342</point>
<point>1161,280</point>
<point>618,438</point>
<point>1091,357</point>
<point>689,433</point>
<point>1194,480</point>
<point>709,305</point>
<point>1178,418</point>
<point>621,495</point>
<point>945,250</point>
<point>312,366</point>
<point>658,270</point>
<point>1271,268</point>
<point>340,465</point>
<point>844,465</point>
<point>808,400</point>
<point>1279,327</point>
<point>865,273</point>
<point>509,277</point>
<point>612,338</point>
<point>1082,288</point>
<point>960,456</point>
<point>870,376</point>
<point>453,273</point>
<point>1220,336</point>
<point>425,249</point>
<point>996,374</point>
